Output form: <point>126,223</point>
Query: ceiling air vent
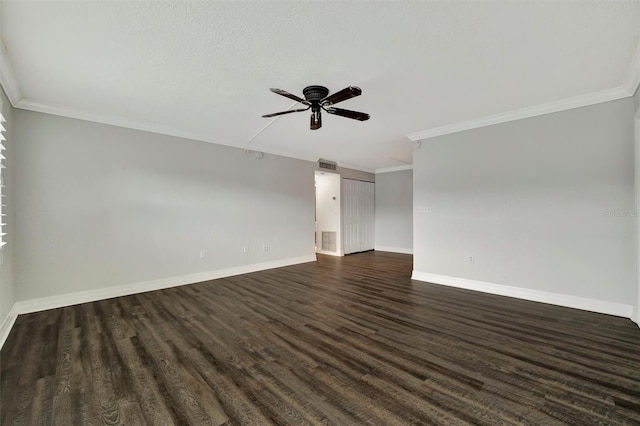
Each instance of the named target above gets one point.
<point>325,164</point>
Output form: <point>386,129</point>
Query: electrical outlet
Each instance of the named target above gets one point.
<point>245,248</point>
<point>203,254</point>
<point>472,259</point>
<point>265,247</point>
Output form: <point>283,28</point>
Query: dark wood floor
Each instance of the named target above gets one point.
<point>342,341</point>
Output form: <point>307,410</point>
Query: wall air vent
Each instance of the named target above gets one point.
<point>328,165</point>
<point>329,241</point>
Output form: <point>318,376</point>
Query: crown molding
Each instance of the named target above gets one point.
<point>534,111</point>
<point>633,76</point>
<point>8,78</point>
<point>31,105</point>
<point>10,86</point>
<point>9,83</point>
<point>394,169</point>
<point>629,87</point>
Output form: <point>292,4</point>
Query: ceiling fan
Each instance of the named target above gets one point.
<point>317,99</point>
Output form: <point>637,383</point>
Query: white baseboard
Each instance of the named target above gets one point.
<point>35,305</point>
<point>330,253</point>
<point>7,323</point>
<point>593,305</point>
<point>394,249</point>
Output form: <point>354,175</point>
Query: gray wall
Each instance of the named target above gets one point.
<point>543,203</point>
<point>7,291</point>
<point>100,206</point>
<point>636,314</point>
<point>394,211</point>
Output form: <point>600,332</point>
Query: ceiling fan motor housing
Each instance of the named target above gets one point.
<point>315,94</point>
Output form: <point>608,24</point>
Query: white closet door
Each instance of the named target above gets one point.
<point>367,217</point>
<point>351,242</point>
<point>358,216</point>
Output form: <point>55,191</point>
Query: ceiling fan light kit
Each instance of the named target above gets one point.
<point>317,98</point>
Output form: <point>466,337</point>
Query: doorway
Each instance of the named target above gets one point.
<point>328,214</point>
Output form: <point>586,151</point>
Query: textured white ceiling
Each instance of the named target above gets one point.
<point>203,68</point>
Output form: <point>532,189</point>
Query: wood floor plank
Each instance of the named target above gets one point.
<point>42,408</point>
<point>340,341</point>
<point>144,385</point>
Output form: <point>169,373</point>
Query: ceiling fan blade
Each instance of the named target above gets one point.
<point>284,112</point>
<point>288,95</point>
<point>342,95</point>
<point>361,116</point>
<point>316,120</point>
